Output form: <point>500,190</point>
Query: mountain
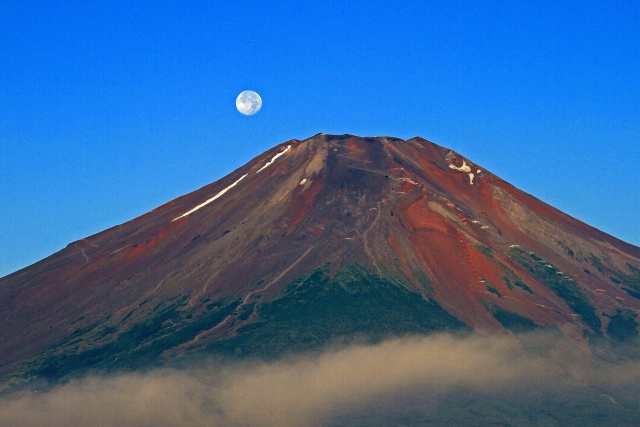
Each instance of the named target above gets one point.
<point>327,240</point>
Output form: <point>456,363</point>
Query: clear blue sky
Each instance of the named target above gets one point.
<point>109,109</point>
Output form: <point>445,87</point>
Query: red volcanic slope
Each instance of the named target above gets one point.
<point>408,209</point>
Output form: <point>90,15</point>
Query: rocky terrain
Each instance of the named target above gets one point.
<point>315,242</point>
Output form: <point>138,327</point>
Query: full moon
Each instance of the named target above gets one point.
<point>248,102</point>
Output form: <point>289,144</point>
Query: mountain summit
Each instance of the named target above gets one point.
<point>325,240</point>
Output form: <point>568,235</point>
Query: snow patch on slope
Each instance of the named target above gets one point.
<point>211,199</point>
<point>463,168</point>
<point>274,158</point>
<point>466,169</point>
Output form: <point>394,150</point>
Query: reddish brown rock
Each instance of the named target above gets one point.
<point>396,207</point>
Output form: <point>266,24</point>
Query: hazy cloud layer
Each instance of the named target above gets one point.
<point>311,389</point>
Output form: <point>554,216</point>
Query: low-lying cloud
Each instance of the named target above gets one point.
<point>312,389</point>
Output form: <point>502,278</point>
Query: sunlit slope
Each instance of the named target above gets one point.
<point>330,239</point>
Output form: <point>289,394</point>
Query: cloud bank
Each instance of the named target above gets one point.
<point>313,389</point>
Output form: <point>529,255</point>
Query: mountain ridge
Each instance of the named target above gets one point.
<point>218,264</point>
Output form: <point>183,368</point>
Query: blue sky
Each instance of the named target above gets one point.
<point>108,110</point>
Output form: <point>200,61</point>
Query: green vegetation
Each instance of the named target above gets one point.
<point>516,281</point>
<point>563,286</point>
<point>596,262</point>
<point>630,282</point>
<point>316,310</point>
<point>165,327</point>
<point>631,292</point>
<point>623,326</point>
<point>313,311</point>
<point>513,321</point>
<point>485,250</point>
<point>511,280</point>
<point>423,279</point>
<point>493,290</point>
<point>566,249</point>
<point>245,311</point>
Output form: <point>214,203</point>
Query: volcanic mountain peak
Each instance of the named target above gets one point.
<point>317,240</point>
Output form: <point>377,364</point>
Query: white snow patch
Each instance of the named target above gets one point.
<point>514,246</point>
<point>478,171</point>
<point>485,227</point>
<point>274,158</point>
<point>471,178</point>
<point>303,181</point>
<point>475,221</point>
<point>211,199</point>
<point>463,168</point>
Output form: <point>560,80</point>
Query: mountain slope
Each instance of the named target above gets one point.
<point>333,237</point>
